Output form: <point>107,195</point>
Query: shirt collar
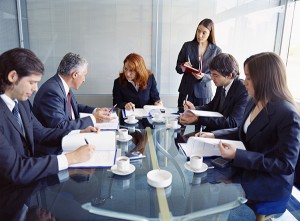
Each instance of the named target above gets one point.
<point>228,87</point>
<point>8,101</point>
<point>66,87</point>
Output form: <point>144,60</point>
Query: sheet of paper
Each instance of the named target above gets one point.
<point>104,141</point>
<point>110,125</point>
<point>206,113</point>
<point>142,112</point>
<point>137,112</point>
<point>206,147</point>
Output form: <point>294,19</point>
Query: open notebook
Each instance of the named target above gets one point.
<point>104,141</point>
<point>206,147</point>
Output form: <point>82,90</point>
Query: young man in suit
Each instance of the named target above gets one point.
<point>55,105</point>
<point>20,72</point>
<point>231,104</point>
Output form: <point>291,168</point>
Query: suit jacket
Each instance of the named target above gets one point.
<point>124,94</point>
<point>272,142</point>
<point>189,84</point>
<point>50,107</point>
<point>16,150</point>
<point>232,110</point>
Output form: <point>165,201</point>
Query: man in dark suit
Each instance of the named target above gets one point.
<point>20,72</point>
<point>55,105</point>
<point>230,98</point>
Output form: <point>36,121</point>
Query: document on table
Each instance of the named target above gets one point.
<point>113,124</point>
<point>142,112</point>
<point>206,147</point>
<point>104,141</point>
<point>202,113</point>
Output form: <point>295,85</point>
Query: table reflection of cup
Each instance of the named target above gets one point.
<point>158,117</point>
<point>123,134</point>
<point>131,129</point>
<point>131,118</point>
<point>196,162</point>
<point>196,179</point>
<point>174,123</point>
<point>123,164</point>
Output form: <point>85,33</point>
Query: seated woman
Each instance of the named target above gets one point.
<point>136,85</point>
<point>270,131</point>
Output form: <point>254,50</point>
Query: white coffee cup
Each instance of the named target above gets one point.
<point>196,162</point>
<point>158,117</point>
<point>174,123</point>
<point>131,118</point>
<point>123,164</point>
<point>123,134</point>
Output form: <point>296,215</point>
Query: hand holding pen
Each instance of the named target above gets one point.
<point>129,106</point>
<point>112,109</point>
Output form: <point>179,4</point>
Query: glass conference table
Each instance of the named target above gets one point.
<point>99,194</point>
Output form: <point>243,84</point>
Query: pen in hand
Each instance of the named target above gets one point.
<point>186,98</point>
<point>113,107</point>
<point>86,141</point>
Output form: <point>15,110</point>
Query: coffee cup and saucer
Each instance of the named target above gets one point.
<point>123,135</point>
<point>131,120</point>
<point>173,124</point>
<point>123,166</point>
<point>158,118</point>
<point>196,164</point>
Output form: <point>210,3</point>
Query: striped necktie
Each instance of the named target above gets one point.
<point>17,115</point>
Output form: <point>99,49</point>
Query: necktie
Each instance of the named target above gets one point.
<point>69,104</point>
<point>16,113</point>
<point>222,99</point>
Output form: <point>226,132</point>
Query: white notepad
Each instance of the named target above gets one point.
<point>206,147</point>
<point>104,141</point>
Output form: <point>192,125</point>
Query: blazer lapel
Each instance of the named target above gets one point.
<point>74,105</point>
<point>28,127</point>
<point>63,94</point>
<point>10,117</point>
<point>261,120</point>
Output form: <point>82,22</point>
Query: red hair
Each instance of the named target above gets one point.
<point>136,63</point>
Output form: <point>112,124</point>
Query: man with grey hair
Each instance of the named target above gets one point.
<point>55,105</point>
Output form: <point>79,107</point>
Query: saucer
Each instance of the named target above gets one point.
<point>129,137</point>
<point>203,168</point>
<point>129,122</point>
<point>175,128</point>
<point>114,170</point>
<point>158,121</point>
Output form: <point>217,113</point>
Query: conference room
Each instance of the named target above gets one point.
<point>105,33</point>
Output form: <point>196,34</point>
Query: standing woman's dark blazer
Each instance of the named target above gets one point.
<point>122,94</point>
<point>189,84</point>
<point>272,142</point>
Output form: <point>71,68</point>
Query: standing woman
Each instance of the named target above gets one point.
<point>136,85</point>
<point>197,54</point>
<point>270,131</point>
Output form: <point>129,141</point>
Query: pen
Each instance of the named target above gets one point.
<point>186,98</point>
<point>86,141</point>
<point>113,107</point>
<point>189,60</point>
